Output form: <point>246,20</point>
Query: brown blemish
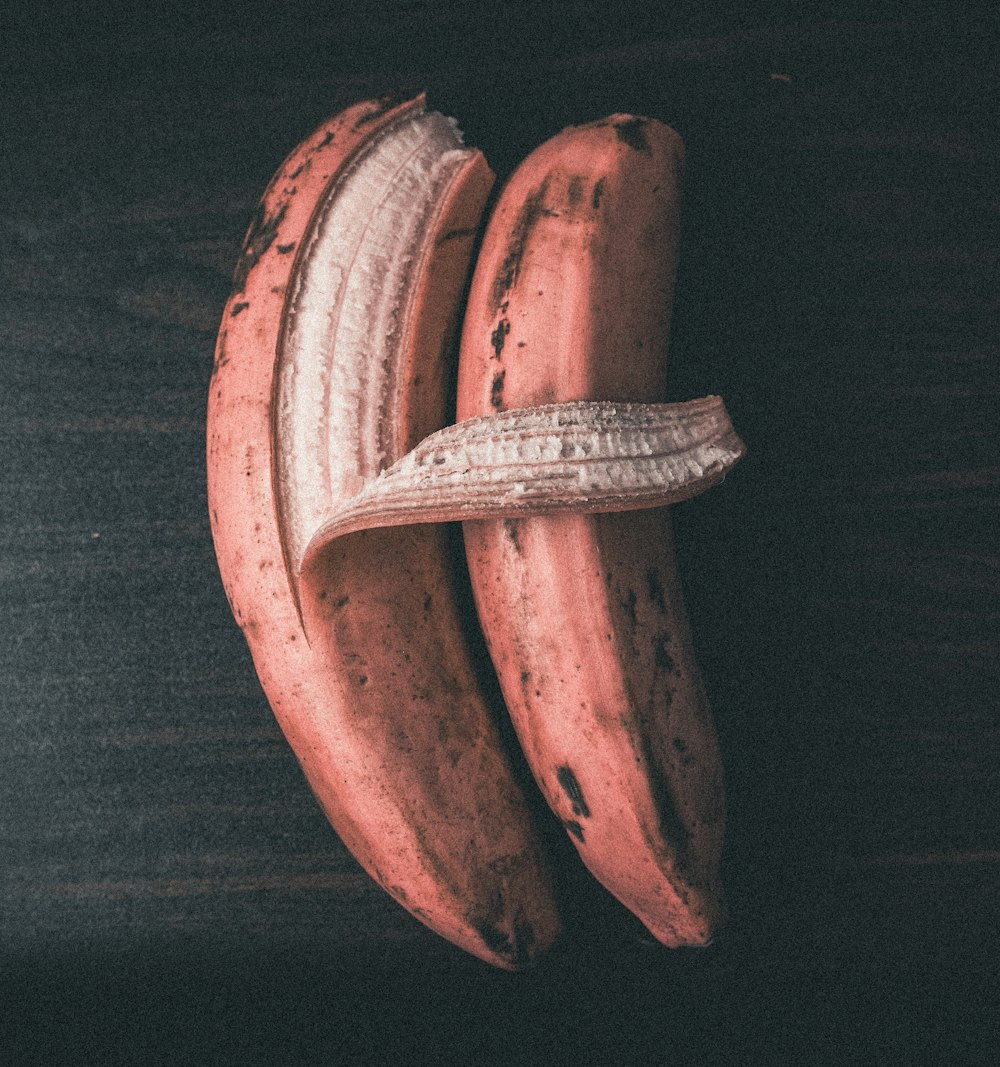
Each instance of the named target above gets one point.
<point>496,390</point>
<point>574,828</point>
<point>671,826</point>
<point>486,920</point>
<point>512,528</point>
<point>655,588</point>
<point>237,308</point>
<point>574,192</point>
<point>383,105</point>
<point>633,133</point>
<point>662,657</point>
<point>506,277</point>
<point>285,249</point>
<point>454,235</point>
<point>498,337</point>
<point>221,357</point>
<point>681,745</point>
<point>629,606</point>
<point>263,231</point>
<point>571,787</point>
<point>595,198</point>
<point>516,950</point>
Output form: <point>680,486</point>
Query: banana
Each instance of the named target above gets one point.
<point>331,364</point>
<point>583,614</point>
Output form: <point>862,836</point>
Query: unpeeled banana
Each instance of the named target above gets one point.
<point>583,615</point>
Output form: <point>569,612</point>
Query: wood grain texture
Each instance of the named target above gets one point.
<point>169,890</point>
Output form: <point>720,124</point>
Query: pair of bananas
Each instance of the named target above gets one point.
<point>332,462</point>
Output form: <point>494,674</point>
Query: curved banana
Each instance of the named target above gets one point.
<point>331,363</point>
<point>583,616</point>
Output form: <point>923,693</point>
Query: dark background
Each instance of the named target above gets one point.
<point>169,891</point>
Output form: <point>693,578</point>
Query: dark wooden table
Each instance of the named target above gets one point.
<point>169,891</point>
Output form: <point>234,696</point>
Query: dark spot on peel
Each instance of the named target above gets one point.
<point>633,133</point>
<point>342,602</point>
<point>428,601</point>
<point>488,919</point>
<point>516,950</point>
<point>524,941</point>
<point>681,746</point>
<point>300,168</point>
<point>285,249</point>
<point>574,193</point>
<point>326,140</point>
<point>498,337</point>
<point>595,198</point>
<point>383,105</point>
<point>510,268</point>
<point>573,827</point>
<point>454,235</point>
<point>263,231</point>
<point>221,357</point>
<point>512,528</point>
<point>628,604</point>
<point>496,390</point>
<point>655,589</point>
<point>237,308</point>
<point>671,826</point>
<point>494,939</point>
<point>571,787</point>
<point>663,658</point>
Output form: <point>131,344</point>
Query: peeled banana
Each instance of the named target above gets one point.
<point>331,364</point>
